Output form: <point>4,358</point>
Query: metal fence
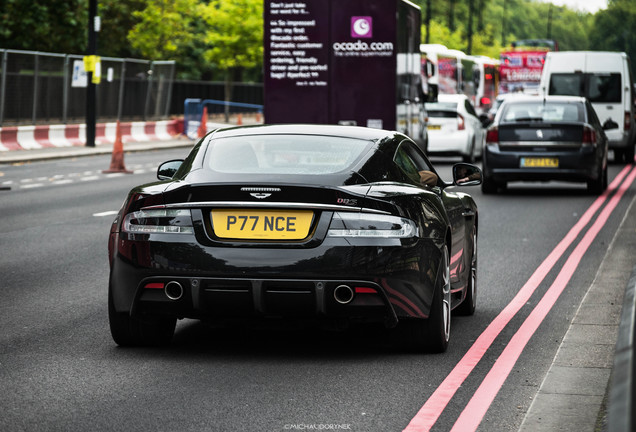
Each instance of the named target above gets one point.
<point>37,87</point>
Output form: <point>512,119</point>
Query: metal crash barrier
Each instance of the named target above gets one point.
<point>193,111</point>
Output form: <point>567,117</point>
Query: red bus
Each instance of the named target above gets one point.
<point>521,65</point>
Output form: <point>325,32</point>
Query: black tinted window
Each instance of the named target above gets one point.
<point>601,87</point>
<point>604,87</point>
<point>566,84</point>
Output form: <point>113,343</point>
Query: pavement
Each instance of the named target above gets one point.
<point>574,393</point>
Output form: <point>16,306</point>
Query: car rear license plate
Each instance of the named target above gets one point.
<point>539,162</point>
<point>433,127</point>
<point>262,224</point>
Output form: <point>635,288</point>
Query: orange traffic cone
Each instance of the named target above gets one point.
<point>203,126</point>
<point>239,120</point>
<point>117,159</point>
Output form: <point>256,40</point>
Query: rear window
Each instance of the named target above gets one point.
<point>444,106</point>
<point>543,112</point>
<point>284,154</point>
<point>442,114</point>
<point>597,87</point>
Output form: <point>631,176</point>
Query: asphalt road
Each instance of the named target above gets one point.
<point>60,370</point>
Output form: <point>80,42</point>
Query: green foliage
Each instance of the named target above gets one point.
<point>118,17</point>
<point>500,26</point>
<point>614,28</point>
<point>163,27</point>
<point>44,25</point>
<point>235,33</point>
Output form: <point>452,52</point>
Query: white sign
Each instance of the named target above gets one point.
<point>80,78</point>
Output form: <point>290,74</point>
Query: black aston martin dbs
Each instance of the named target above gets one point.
<point>333,224</point>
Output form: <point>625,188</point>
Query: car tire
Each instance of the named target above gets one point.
<point>489,186</point>
<point>629,154</point>
<point>467,307</point>
<point>129,331</point>
<point>470,157</point>
<point>598,186</point>
<point>432,334</point>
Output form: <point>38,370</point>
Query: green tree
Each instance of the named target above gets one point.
<point>234,37</point>
<point>173,30</point>
<point>163,27</point>
<point>44,25</point>
<point>613,28</point>
<point>118,17</point>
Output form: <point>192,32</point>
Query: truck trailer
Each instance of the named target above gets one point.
<point>352,62</point>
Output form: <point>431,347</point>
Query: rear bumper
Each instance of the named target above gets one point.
<point>580,165</point>
<point>249,283</point>
<point>619,140</point>
<point>454,143</point>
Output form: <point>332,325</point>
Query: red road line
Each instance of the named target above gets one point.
<point>482,399</point>
<point>435,405</point>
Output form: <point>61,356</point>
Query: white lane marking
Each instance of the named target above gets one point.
<point>32,185</point>
<point>89,178</point>
<point>59,182</point>
<point>106,213</point>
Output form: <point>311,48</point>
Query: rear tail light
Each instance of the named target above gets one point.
<point>628,121</point>
<point>159,221</point>
<point>461,125</point>
<point>370,226</point>
<point>589,136</point>
<point>492,135</point>
<point>485,101</point>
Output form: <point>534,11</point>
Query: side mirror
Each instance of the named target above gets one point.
<point>466,175</point>
<point>610,124</point>
<point>168,169</point>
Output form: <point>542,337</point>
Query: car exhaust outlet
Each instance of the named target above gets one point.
<point>343,294</point>
<point>173,290</point>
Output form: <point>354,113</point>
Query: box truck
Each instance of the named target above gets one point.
<point>605,78</point>
<point>353,62</point>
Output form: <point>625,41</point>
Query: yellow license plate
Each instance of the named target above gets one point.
<point>262,224</point>
<point>534,162</point>
<point>433,127</point>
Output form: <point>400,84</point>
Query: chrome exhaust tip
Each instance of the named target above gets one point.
<point>343,294</point>
<point>173,290</point>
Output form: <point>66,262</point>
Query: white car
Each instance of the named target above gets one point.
<point>454,128</point>
<point>500,99</point>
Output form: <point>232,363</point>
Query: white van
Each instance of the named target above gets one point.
<point>605,78</point>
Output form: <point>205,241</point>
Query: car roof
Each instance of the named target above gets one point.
<point>451,97</point>
<point>356,132</point>
<point>532,98</point>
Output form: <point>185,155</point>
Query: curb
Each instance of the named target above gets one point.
<point>621,397</point>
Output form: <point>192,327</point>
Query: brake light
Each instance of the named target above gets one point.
<point>492,135</point>
<point>460,122</point>
<point>628,121</point>
<point>589,136</point>
<point>366,225</point>
<point>154,221</point>
<point>485,101</point>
